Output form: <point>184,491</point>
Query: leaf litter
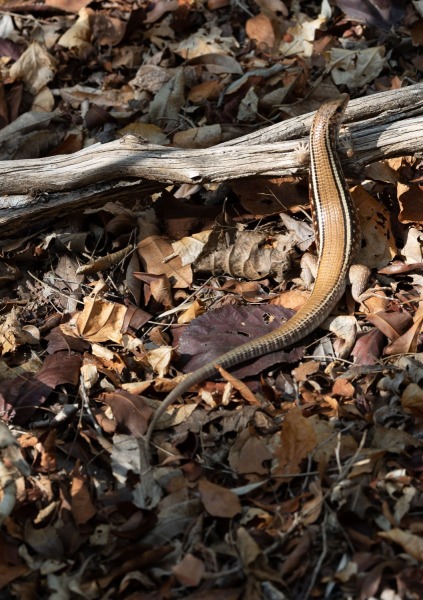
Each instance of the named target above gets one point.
<point>303,482</point>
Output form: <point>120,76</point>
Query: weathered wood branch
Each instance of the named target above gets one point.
<point>391,124</point>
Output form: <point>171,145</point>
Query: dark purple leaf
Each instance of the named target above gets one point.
<point>214,333</point>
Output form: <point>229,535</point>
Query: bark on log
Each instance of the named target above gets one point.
<point>381,126</point>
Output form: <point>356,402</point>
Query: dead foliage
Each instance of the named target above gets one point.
<point>298,475</point>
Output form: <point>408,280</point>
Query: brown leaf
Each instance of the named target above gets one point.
<point>134,319</point>
<point>262,197</point>
<point>36,67</point>
<point>407,342</point>
<point>240,386</point>
<point>153,252</point>
<point>298,439</point>
<point>393,440</point>
<point>412,400</point>
<point>259,28</point>
<point>392,325</point>
<point>82,507</point>
<point>59,369</point>
<point>100,321</point>
<point>189,571</point>
<point>158,288</point>
<point>206,90</point>
<point>193,311</point>
<point>248,453</point>
<point>218,501</point>
<point>342,387</point>
<point>9,573</point>
<point>167,103</point>
<point>412,544</point>
<point>130,411</point>
<point>69,6</point>
<point>368,348</point>
<point>379,246</point>
<point>311,509</point>
<point>198,137</point>
<point>78,37</point>
<point>410,198</point>
<point>20,397</point>
<point>305,369</point>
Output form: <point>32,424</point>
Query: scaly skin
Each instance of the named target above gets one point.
<point>337,231</point>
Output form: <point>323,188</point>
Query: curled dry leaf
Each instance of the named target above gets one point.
<point>392,325</point>
<point>158,287</point>
<point>131,412</point>
<point>412,544</point>
<point>250,291</point>
<point>108,30</point>
<point>174,416</point>
<point>189,248</point>
<point>102,321</point>
<point>78,37</point>
<point>198,137</point>
<point>36,68</point>
<point>240,386</point>
<point>299,38</point>
<point>369,348</point>
<point>195,309</point>
<point>412,400</point>
<point>147,132</point>
<point>408,342</point>
<point>159,359</point>
<point>305,369</point>
<point>105,262</point>
<point>118,99</point>
<point>248,254</point>
<point>153,252</point>
<point>159,8</point>
<point>312,509</point>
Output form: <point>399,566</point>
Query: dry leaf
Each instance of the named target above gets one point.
<point>259,28</point>
<point>410,198</point>
<point>83,508</point>
<point>356,68</point>
<point>298,439</point>
<point>198,137</point>
<point>36,68</point>
<point>130,411</point>
<point>153,252</point>
<point>167,103</point>
<point>218,501</point>
<point>412,544</point>
<point>202,43</point>
<point>376,230</point>
<point>78,37</point>
<point>189,571</point>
